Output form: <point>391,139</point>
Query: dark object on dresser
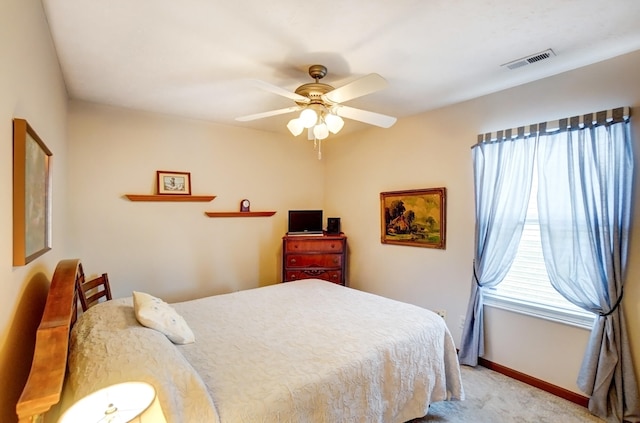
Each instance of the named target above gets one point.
<point>333,225</point>
<point>305,222</point>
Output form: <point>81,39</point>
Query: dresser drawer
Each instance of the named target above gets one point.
<point>314,260</point>
<point>321,257</point>
<point>334,276</point>
<point>324,245</point>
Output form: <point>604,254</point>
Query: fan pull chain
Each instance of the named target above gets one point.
<point>317,145</point>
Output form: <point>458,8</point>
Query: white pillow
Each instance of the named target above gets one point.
<point>154,313</point>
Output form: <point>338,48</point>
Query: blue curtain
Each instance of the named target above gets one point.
<point>502,178</point>
<point>584,202</point>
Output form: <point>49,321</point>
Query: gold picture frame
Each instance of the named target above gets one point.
<point>31,194</point>
<point>414,217</point>
<point>173,183</point>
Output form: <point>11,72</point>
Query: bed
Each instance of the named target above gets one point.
<point>305,351</point>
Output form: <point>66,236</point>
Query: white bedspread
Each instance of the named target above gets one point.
<point>313,351</point>
<point>109,346</point>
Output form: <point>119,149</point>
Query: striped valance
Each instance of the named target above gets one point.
<point>604,117</point>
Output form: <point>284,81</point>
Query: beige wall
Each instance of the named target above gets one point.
<point>433,150</point>
<point>172,249</point>
<point>31,87</point>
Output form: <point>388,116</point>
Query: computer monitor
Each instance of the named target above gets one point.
<point>305,222</point>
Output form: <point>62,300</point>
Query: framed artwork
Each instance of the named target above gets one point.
<point>415,217</point>
<point>31,194</point>
<point>174,183</point>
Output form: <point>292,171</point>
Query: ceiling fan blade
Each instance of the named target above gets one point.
<point>362,86</point>
<point>280,91</point>
<point>268,114</point>
<point>365,116</point>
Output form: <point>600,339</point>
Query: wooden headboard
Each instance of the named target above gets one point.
<point>46,378</point>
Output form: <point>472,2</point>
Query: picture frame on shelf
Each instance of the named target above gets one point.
<point>173,183</point>
<point>414,217</point>
<point>31,194</point>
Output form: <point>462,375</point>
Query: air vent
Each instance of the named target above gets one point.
<point>534,58</point>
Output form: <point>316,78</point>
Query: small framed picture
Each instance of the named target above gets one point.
<point>174,183</point>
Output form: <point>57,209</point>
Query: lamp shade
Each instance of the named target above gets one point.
<point>334,123</point>
<point>295,127</point>
<point>120,403</point>
<point>320,131</point>
<point>308,117</point>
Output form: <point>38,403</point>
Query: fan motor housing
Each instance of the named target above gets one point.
<point>314,91</point>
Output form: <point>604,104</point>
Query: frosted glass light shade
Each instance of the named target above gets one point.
<point>308,117</point>
<point>120,403</point>
<point>321,131</point>
<point>334,123</point>
<point>295,127</point>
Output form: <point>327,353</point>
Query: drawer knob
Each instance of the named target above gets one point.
<point>293,261</point>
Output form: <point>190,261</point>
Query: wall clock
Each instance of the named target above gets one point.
<point>245,205</point>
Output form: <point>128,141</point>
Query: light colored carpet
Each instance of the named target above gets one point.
<point>491,397</point>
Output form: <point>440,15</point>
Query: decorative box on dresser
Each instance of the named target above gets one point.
<point>319,256</point>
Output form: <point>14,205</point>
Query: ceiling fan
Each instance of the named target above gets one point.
<point>321,104</point>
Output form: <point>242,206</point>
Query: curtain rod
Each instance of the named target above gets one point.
<point>603,117</point>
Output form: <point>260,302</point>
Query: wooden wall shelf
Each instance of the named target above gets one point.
<point>241,214</point>
<point>142,197</point>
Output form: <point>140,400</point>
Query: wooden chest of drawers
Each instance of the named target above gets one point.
<point>322,257</point>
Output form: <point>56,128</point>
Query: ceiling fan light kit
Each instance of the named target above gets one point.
<point>321,106</point>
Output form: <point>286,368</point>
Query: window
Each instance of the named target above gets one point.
<point>526,288</point>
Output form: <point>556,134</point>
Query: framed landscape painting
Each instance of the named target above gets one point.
<point>414,217</point>
<point>31,194</point>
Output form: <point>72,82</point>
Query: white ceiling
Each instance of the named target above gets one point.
<point>193,58</point>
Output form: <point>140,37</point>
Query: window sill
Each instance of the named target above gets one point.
<point>540,311</point>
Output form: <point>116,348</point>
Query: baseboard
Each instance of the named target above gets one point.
<point>538,383</point>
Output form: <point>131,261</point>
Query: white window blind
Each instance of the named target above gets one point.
<point>526,288</point>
